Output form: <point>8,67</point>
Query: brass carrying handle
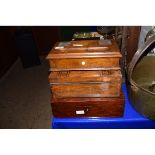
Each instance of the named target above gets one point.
<point>137,56</point>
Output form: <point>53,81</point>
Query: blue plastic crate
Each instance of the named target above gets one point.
<point>130,120</point>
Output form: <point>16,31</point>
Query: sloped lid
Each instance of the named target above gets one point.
<point>84,49</point>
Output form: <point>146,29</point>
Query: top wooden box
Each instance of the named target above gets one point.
<point>84,55</point>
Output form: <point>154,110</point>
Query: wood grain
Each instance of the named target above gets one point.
<point>83,63</point>
<point>86,83</point>
<point>86,76</point>
<point>86,90</point>
<point>90,55</point>
<point>91,107</point>
<point>89,48</point>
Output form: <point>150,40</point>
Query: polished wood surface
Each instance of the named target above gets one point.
<point>86,83</point>
<point>85,80</point>
<point>105,89</point>
<point>87,49</point>
<point>88,107</point>
<point>86,76</point>
<point>83,63</point>
<point>79,72</point>
<point>91,55</point>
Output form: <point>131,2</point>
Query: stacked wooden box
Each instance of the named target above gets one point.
<point>85,79</point>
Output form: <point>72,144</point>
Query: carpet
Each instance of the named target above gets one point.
<point>25,97</point>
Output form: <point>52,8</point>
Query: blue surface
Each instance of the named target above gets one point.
<point>130,120</point>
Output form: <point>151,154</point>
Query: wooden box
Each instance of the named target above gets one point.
<point>85,79</point>
<point>88,107</point>
<point>84,55</point>
<point>103,83</point>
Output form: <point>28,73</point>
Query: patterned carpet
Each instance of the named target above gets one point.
<point>25,97</point>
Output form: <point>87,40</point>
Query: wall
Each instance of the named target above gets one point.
<point>143,32</point>
<point>45,37</point>
<point>8,54</point>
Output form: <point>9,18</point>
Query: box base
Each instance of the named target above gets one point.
<point>88,107</point>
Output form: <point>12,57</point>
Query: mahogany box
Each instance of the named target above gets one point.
<point>88,107</point>
<point>87,68</point>
<point>85,79</point>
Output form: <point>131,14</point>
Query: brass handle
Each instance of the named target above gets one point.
<point>137,56</point>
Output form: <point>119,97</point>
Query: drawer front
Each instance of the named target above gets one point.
<point>79,64</point>
<point>85,76</point>
<point>114,108</point>
<point>83,89</point>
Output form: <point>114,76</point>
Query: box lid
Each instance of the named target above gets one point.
<point>84,49</point>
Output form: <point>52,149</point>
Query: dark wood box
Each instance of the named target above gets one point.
<point>88,107</point>
<point>85,79</point>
